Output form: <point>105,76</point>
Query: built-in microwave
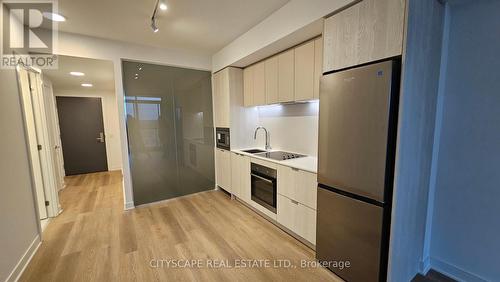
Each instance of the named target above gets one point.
<point>222,138</point>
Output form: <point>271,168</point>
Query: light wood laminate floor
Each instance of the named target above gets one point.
<point>94,239</point>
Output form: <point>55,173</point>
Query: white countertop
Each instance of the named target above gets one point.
<point>307,163</point>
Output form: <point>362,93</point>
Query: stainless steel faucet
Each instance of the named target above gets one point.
<point>268,147</point>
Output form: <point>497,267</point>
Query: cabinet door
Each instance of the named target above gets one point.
<point>259,84</point>
<point>340,39</point>
<point>368,31</point>
<point>318,65</point>
<point>236,175</point>
<point>304,71</point>
<point>286,212</point>
<point>286,186</point>
<point>224,98</point>
<point>306,188</point>
<point>245,178</point>
<point>221,98</point>
<point>305,223</point>
<point>271,66</point>
<point>286,76</point>
<point>298,185</point>
<point>216,99</point>
<point>223,162</point>
<point>384,36</point>
<point>248,86</point>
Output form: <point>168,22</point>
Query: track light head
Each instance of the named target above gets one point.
<point>154,27</point>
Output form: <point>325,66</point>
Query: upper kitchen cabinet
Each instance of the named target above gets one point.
<point>248,86</point>
<point>221,98</point>
<point>227,91</point>
<point>254,85</point>
<point>259,84</point>
<point>368,31</point>
<point>286,76</point>
<point>271,68</point>
<point>290,76</point>
<point>318,65</point>
<point>304,71</point>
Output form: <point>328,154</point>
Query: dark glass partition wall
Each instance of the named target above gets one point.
<point>170,130</point>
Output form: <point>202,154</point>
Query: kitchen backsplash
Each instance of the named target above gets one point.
<point>292,127</point>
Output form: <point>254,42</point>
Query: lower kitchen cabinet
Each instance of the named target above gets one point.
<point>298,185</point>
<point>223,169</point>
<point>306,223</point>
<point>240,176</point>
<point>286,212</point>
<point>297,217</point>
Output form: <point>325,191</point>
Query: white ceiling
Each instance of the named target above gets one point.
<point>98,72</point>
<point>203,26</point>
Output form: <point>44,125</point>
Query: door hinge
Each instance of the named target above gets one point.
<point>47,203</point>
<point>39,147</point>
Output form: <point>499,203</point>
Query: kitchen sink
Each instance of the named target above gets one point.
<point>253,151</point>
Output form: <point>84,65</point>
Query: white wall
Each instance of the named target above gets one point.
<point>18,217</point>
<point>464,240</point>
<point>417,111</point>
<point>293,16</point>
<point>111,122</point>
<point>292,128</point>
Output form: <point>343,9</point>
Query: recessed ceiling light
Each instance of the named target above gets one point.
<point>55,17</point>
<point>77,73</point>
<point>163,6</point>
<point>87,84</point>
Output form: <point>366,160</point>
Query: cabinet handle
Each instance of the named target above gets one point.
<point>296,169</point>
<point>294,202</point>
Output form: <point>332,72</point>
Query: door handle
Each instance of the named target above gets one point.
<point>261,178</point>
<point>101,137</point>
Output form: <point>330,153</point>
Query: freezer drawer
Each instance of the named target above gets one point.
<point>350,230</point>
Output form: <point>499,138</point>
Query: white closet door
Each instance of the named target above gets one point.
<point>32,141</point>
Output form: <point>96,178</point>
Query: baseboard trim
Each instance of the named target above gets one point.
<point>425,265</point>
<point>129,206</point>
<point>454,272</point>
<point>114,168</point>
<point>24,261</point>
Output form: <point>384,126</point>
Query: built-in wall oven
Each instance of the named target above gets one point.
<point>222,138</point>
<point>264,186</point>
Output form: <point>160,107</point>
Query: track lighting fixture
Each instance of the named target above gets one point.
<point>154,25</point>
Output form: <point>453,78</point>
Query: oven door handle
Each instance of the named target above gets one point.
<point>261,178</point>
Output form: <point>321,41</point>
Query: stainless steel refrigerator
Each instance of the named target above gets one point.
<point>357,137</point>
